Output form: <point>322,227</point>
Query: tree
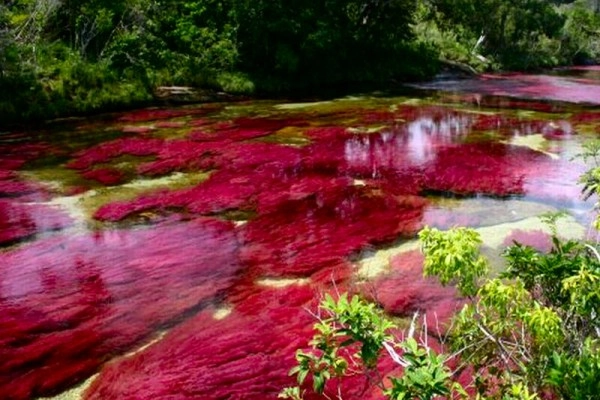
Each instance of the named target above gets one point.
<point>325,41</point>
<point>516,34</point>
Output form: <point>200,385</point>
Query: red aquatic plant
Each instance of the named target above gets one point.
<point>245,128</point>
<point>68,304</point>
<point>404,291</point>
<point>14,188</point>
<point>508,125</point>
<point>153,114</point>
<point>305,235</point>
<point>268,124</point>
<point>374,117</point>
<point>14,156</point>
<point>246,355</point>
<point>248,170</point>
<point>492,169</point>
<point>19,221</point>
<point>5,175</point>
<point>106,176</point>
<point>179,155</point>
<point>170,124</point>
<point>327,133</point>
<point>108,150</point>
<point>199,122</point>
<point>585,117</point>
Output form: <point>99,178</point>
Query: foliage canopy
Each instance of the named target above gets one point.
<point>54,52</point>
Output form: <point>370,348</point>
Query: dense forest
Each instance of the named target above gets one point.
<point>60,57</point>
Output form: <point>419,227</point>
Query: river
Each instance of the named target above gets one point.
<point>174,252</point>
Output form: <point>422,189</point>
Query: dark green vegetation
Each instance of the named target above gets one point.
<point>60,57</point>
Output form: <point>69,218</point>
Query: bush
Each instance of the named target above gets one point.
<point>581,33</point>
<point>521,34</point>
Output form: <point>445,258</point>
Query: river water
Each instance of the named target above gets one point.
<point>174,252</point>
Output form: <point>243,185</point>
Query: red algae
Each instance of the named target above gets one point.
<point>404,291</point>
<point>169,124</point>
<point>247,355</point>
<point>68,304</point>
<point>106,176</point>
<point>247,171</point>
<point>492,169</point>
<point>243,129</point>
<point>199,122</point>
<point>19,221</point>
<point>178,155</point>
<point>260,176</point>
<point>508,125</point>
<point>586,117</point>
<point>303,236</point>
<point>14,188</point>
<point>4,175</point>
<point>153,114</point>
<point>14,157</point>
<point>107,151</point>
<point>327,133</point>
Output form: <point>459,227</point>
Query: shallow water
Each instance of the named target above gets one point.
<point>205,231</point>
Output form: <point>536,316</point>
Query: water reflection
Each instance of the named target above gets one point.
<point>413,144</point>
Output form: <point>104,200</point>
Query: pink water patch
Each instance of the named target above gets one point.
<point>6,175</point>
<point>68,304</point>
<point>544,87</point>
<point>424,157</point>
<point>179,155</point>
<point>537,239</point>
<point>249,171</point>
<point>243,129</point>
<point>14,188</point>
